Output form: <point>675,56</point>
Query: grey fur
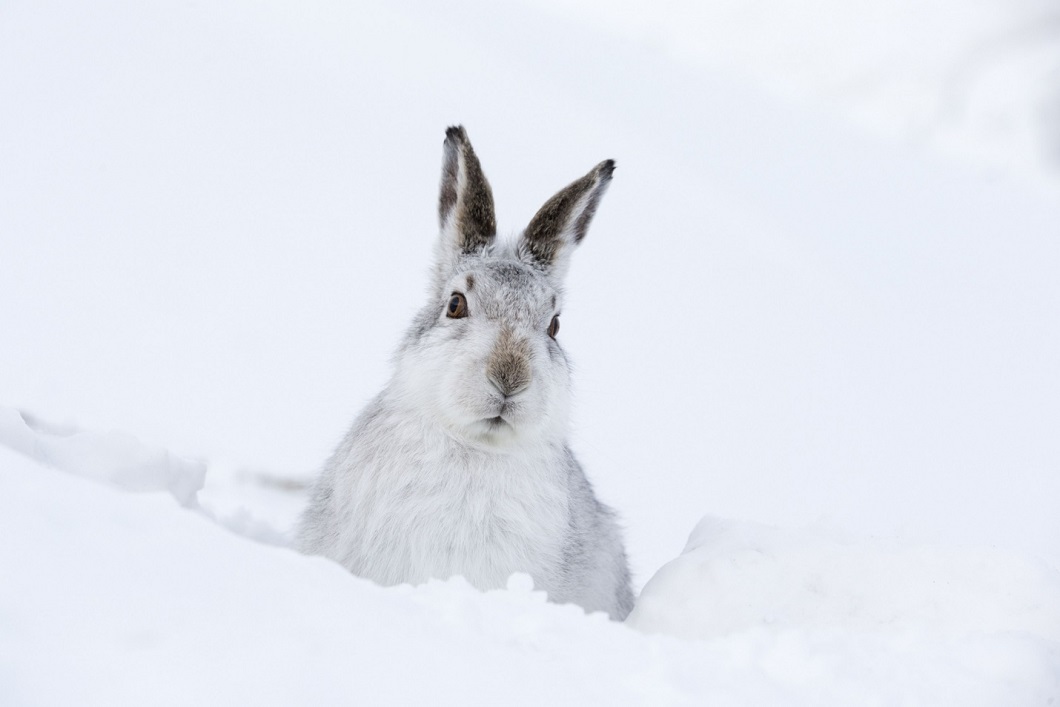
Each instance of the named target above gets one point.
<point>566,216</point>
<point>469,211</point>
<point>508,367</point>
<point>461,464</point>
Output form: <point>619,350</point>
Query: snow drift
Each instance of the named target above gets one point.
<point>131,598</point>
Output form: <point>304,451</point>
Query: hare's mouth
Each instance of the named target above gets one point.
<point>498,425</point>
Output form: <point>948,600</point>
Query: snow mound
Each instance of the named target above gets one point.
<point>110,457</point>
<point>740,576</point>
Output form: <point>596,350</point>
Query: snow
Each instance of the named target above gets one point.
<point>132,598</point>
<point>976,80</point>
<point>734,576</point>
<point>113,457</point>
<point>819,301</point>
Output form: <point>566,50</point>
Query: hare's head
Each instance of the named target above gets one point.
<point>483,356</point>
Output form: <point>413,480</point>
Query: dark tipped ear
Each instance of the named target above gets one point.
<point>465,201</point>
<point>562,222</point>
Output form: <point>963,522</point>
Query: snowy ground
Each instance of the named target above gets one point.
<point>216,222</point>
<point>134,599</point>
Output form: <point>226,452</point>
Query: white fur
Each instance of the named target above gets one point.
<point>426,505</point>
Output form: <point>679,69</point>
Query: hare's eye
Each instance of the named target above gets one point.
<point>553,327</point>
<point>457,307</point>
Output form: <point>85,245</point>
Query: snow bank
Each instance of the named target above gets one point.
<point>240,501</point>
<point>114,598</point>
<point>916,624</point>
<point>110,457</point>
<point>734,576</point>
<point>122,598</point>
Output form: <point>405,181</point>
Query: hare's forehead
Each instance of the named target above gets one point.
<point>507,288</point>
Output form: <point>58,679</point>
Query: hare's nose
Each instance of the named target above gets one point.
<point>508,368</point>
<point>509,379</point>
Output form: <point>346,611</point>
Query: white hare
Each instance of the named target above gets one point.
<point>461,465</point>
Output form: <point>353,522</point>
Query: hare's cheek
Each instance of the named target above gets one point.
<point>559,389</point>
<point>458,391</point>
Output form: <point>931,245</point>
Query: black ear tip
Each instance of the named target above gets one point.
<point>456,133</point>
<point>605,169</point>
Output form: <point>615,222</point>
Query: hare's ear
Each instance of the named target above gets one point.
<point>465,202</point>
<point>562,222</point>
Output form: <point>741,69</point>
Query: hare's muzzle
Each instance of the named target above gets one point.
<point>508,367</point>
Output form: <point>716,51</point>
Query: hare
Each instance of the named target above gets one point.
<point>461,465</point>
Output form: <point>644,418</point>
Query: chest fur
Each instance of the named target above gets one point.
<point>417,515</point>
